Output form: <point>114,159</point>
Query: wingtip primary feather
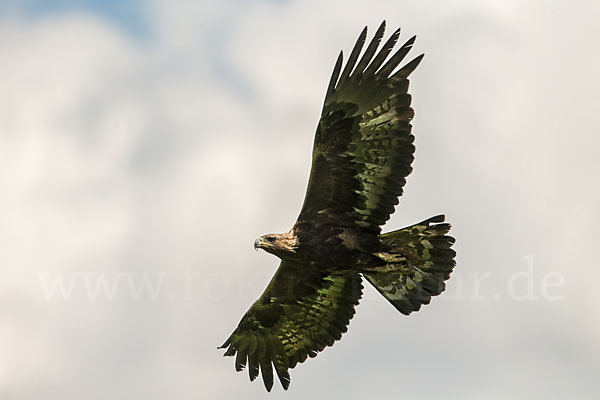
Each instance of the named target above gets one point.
<point>335,74</point>
<point>227,343</point>
<point>383,53</point>
<point>252,366</point>
<point>284,377</point>
<point>370,51</point>
<point>266,370</point>
<point>405,71</point>
<point>397,58</point>
<point>230,352</point>
<point>360,42</point>
<point>240,361</point>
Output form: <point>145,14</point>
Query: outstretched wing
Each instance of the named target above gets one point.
<point>363,146</point>
<point>299,314</point>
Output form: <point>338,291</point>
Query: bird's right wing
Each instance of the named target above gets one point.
<point>299,314</point>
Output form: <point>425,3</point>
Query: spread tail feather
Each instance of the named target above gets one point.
<point>419,260</point>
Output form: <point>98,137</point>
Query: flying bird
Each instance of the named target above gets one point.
<point>362,154</point>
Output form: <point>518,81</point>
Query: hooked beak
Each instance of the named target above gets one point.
<point>260,243</point>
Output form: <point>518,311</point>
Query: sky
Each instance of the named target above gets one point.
<point>145,145</point>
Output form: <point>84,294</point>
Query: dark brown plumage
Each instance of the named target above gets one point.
<point>363,151</point>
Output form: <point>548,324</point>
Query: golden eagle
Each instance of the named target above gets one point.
<point>362,154</point>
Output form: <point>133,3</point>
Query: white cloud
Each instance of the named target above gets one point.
<point>121,156</point>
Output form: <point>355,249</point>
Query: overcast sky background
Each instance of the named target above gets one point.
<point>157,140</point>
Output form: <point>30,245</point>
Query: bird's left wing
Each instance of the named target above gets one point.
<point>363,146</point>
<point>298,315</point>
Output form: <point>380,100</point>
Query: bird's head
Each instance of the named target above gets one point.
<point>277,243</point>
<point>264,242</point>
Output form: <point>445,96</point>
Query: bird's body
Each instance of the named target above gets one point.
<point>326,248</point>
<point>362,154</point>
